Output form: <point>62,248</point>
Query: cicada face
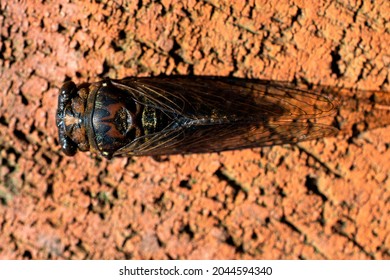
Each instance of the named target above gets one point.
<point>96,117</point>
<point>70,119</point>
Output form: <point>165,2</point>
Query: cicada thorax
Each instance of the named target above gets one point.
<point>112,118</point>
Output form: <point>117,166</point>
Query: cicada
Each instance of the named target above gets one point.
<point>181,115</point>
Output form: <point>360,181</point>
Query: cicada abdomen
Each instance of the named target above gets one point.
<point>181,115</point>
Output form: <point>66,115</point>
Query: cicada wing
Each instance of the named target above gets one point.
<point>205,97</point>
<point>226,114</point>
<point>162,143</point>
<point>222,137</point>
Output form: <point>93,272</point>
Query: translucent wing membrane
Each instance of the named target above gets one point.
<point>198,97</point>
<point>226,114</point>
<point>215,138</point>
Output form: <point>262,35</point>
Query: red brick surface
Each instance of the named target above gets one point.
<point>326,199</point>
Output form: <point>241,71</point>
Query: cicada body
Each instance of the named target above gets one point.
<point>181,115</point>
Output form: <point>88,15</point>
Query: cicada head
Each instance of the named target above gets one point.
<point>99,117</point>
<point>71,118</point>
